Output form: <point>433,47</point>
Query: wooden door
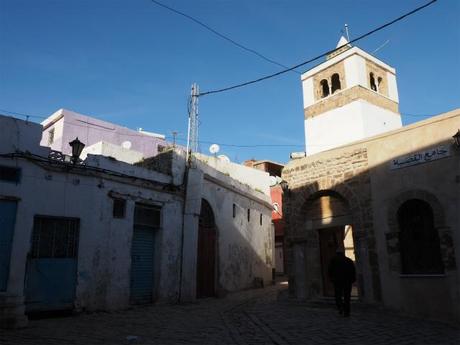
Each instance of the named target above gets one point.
<point>51,277</point>
<point>206,260</point>
<point>330,239</point>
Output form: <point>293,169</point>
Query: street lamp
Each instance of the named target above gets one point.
<point>284,186</point>
<point>77,147</point>
<point>456,137</point>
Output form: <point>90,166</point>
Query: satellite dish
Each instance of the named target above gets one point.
<point>224,158</point>
<point>272,181</point>
<point>126,144</point>
<point>214,148</point>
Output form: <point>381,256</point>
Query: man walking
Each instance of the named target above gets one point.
<point>343,274</point>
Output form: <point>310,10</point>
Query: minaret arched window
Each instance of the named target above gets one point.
<point>379,83</point>
<point>324,88</point>
<point>335,82</point>
<point>372,82</point>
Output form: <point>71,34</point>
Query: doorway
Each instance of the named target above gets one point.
<point>331,239</point>
<point>7,223</point>
<point>206,260</point>
<point>51,276</point>
<point>146,224</point>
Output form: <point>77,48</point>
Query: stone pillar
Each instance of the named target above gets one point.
<point>190,234</point>
<point>299,270</point>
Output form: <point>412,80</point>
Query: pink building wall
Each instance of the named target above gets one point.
<point>67,125</point>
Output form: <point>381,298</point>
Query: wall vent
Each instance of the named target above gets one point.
<point>10,174</point>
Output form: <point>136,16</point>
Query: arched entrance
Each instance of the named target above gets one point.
<point>206,261</point>
<point>328,215</point>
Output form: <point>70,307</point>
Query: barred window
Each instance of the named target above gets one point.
<point>55,237</point>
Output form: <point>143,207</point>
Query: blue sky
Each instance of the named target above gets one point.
<point>132,63</point>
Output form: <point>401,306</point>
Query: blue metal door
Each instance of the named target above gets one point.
<point>7,222</point>
<point>52,265</point>
<point>142,265</point>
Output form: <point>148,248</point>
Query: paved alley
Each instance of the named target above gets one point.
<point>251,317</point>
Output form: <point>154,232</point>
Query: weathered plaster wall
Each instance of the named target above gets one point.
<point>17,135</point>
<point>245,246</point>
<point>104,256</point>
<point>109,150</point>
<point>244,249</point>
<point>254,178</point>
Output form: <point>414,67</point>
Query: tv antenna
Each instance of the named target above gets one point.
<point>214,149</point>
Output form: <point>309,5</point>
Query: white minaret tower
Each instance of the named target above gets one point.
<point>349,97</point>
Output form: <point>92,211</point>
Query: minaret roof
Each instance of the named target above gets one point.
<point>342,45</point>
<point>342,42</point>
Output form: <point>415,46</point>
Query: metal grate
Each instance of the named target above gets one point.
<point>55,237</point>
<point>147,215</point>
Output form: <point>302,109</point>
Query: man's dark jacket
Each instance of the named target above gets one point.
<point>342,270</point>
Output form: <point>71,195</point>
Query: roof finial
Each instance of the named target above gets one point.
<point>346,32</point>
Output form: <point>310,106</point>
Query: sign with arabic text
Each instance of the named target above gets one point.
<point>420,157</point>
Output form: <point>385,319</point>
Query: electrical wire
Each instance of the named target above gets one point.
<point>177,138</point>
<point>317,57</point>
<point>225,37</point>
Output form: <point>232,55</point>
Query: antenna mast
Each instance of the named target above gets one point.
<point>192,136</point>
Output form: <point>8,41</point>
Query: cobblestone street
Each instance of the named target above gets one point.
<point>249,317</point>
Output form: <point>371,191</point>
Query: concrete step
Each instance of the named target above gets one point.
<point>12,311</point>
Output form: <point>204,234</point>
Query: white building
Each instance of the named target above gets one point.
<point>105,234</point>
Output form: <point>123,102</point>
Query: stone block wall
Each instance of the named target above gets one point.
<point>342,172</point>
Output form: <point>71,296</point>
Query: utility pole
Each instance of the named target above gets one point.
<point>174,133</point>
<point>192,136</point>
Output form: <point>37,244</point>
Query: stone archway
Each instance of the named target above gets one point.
<point>327,215</point>
<point>306,273</point>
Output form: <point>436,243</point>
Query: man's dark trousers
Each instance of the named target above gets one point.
<point>342,297</point>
